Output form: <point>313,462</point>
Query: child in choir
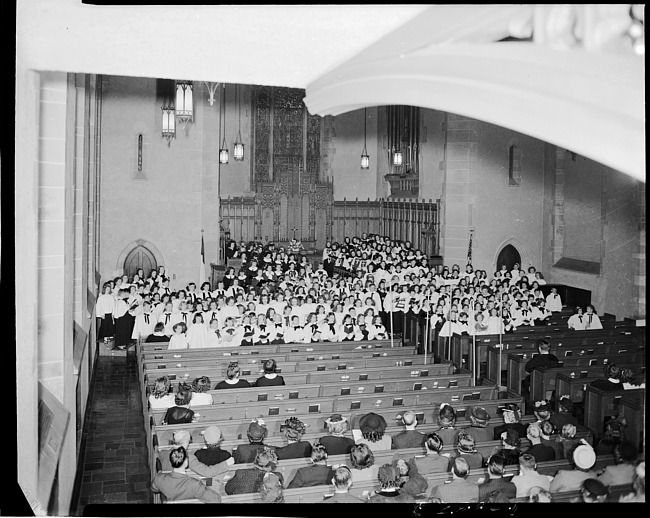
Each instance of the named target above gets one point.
<point>191,295</point>
<point>212,313</point>
<point>184,314</point>
<point>123,321</point>
<point>329,329</point>
<point>592,321</point>
<point>346,331</point>
<point>524,316</point>
<point>178,339</point>
<point>248,331</point>
<point>376,330</point>
<point>277,329</point>
<point>310,329</point>
<point>553,301</point>
<point>158,334</point>
<point>197,334</point>
<point>231,334</point>
<point>361,329</point>
<point>294,334</point>
<point>144,323</point>
<point>104,313</point>
<point>577,320</point>
<point>168,318</point>
<point>541,312</point>
<point>450,326</point>
<point>213,334</point>
<point>261,331</point>
<point>480,327</point>
<point>204,292</point>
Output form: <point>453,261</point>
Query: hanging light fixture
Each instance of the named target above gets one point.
<point>223,151</point>
<point>365,159</point>
<point>184,102</point>
<point>168,123</point>
<point>238,151</point>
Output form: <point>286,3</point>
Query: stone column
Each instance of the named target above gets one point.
<point>640,275</point>
<point>458,188</point>
<point>557,242</point>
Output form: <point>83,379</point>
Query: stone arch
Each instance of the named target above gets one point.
<point>133,245</point>
<point>524,254</point>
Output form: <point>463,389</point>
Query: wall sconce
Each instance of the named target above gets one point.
<point>168,123</point>
<point>223,150</point>
<point>184,104</point>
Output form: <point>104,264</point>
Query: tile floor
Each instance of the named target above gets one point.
<point>115,467</point>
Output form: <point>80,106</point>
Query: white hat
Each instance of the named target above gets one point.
<point>584,456</point>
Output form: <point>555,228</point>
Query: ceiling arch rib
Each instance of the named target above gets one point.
<point>589,102</point>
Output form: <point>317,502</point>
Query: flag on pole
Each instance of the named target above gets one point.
<point>469,250</point>
<point>202,269</point>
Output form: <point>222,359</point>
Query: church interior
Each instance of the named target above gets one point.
<point>179,138</point>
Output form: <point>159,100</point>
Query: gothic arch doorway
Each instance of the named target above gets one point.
<point>140,257</point>
<point>509,255</point>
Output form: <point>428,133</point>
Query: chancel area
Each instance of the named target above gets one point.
<point>274,266</point>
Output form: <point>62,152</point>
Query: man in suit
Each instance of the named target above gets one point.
<point>318,474</point>
<point>541,452</point>
<point>409,438</point>
<point>177,485</point>
<point>342,481</point>
<point>496,482</point>
<point>543,360</point>
<point>432,462</point>
<point>459,490</point>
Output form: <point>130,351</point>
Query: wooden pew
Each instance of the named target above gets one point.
<point>561,350</point>
<point>336,388</point>
<point>517,368</point>
<point>542,381</point>
<point>328,405</point>
<point>459,349</point>
<point>317,494</point>
<point>236,428</point>
<point>602,404</point>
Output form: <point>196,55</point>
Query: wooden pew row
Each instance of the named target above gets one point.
<point>311,390</point>
<point>236,428</point>
<point>397,353</point>
<point>602,404</point>
<point>615,492</point>
<point>458,348</point>
<point>318,494</point>
<point>517,368</point>
<point>392,429</point>
<point>542,381</point>
<point>329,405</point>
<point>560,350</point>
<point>348,376</point>
<point>575,386</point>
<point>284,367</point>
<point>160,349</point>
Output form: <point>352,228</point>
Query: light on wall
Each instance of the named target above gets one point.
<point>168,123</point>
<point>238,151</point>
<point>184,102</point>
<point>365,159</point>
<point>397,158</point>
<point>223,150</point>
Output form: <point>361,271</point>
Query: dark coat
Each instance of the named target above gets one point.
<point>337,445</point>
<point>316,475</point>
<point>294,450</point>
<point>247,481</point>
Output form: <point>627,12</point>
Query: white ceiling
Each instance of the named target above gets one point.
<point>264,44</point>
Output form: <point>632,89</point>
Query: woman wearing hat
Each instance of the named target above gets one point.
<point>584,459</point>
<point>565,413</point>
<point>466,447</point>
<point>371,431</point>
<point>447,420</point>
<point>592,492</point>
<point>256,433</point>
<point>296,448</point>
<point>510,447</point>
<point>479,418</point>
<point>511,419</point>
<point>336,443</point>
<point>390,492</point>
<point>251,479</point>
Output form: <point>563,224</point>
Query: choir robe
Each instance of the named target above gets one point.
<point>197,336</point>
<point>168,320</point>
<point>104,310</point>
<point>213,338</point>
<point>377,332</point>
<point>231,336</point>
<point>177,342</point>
<point>294,335</point>
<point>123,323</point>
<point>576,322</point>
<point>329,332</point>
<point>553,302</point>
<point>143,327</point>
<point>209,315</point>
<point>592,321</point>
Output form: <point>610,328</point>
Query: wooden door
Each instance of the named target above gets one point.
<point>139,257</point>
<point>508,256</point>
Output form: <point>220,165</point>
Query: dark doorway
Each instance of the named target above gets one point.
<point>508,256</point>
<point>139,257</point>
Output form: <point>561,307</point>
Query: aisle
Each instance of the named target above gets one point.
<point>115,468</point>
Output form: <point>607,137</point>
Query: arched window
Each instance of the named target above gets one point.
<point>514,166</point>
